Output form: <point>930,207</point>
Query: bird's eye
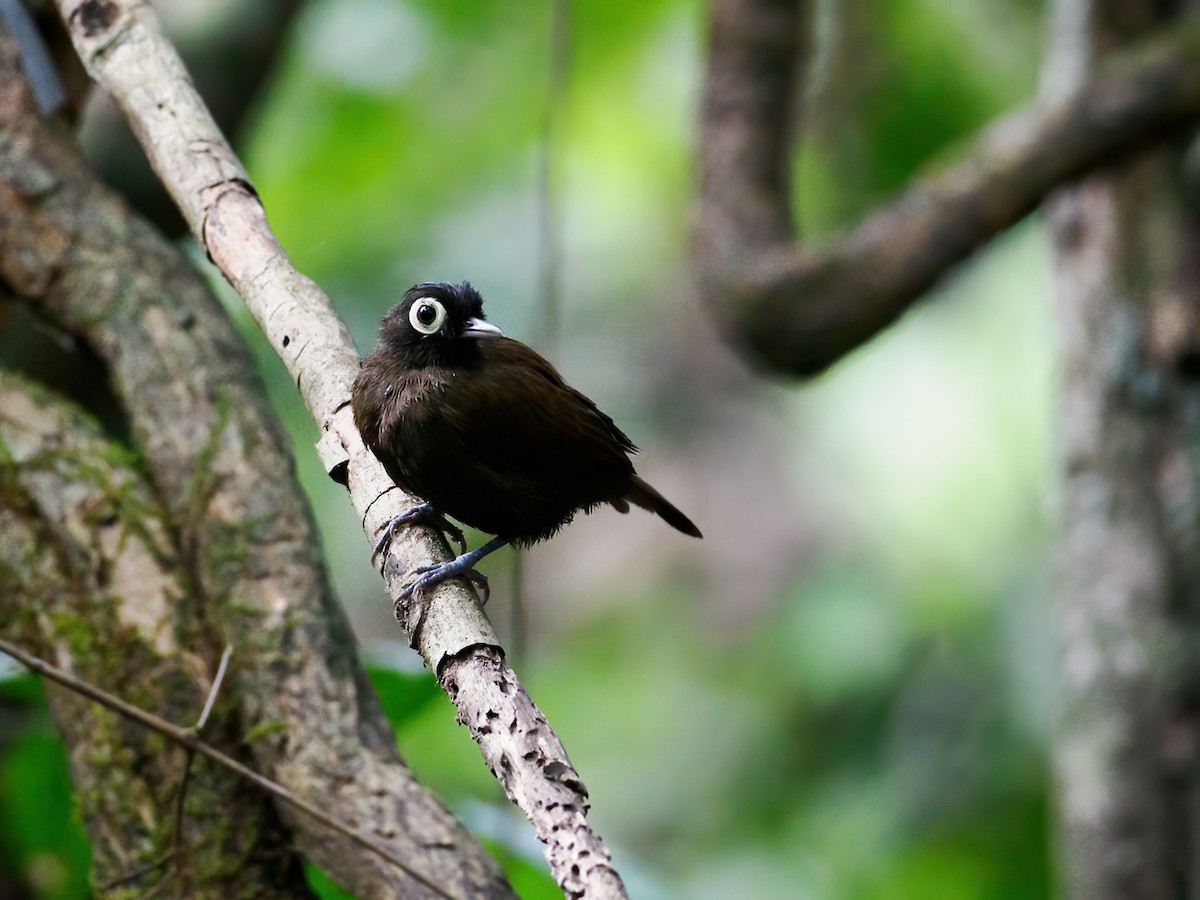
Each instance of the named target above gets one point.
<point>427,315</point>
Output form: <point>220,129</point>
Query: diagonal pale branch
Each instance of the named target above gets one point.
<point>124,51</point>
<point>230,60</point>
<point>798,308</point>
<point>72,251</point>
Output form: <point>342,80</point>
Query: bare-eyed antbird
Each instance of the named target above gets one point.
<point>485,430</point>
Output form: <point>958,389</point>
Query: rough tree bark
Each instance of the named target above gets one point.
<point>124,51</point>
<point>88,574</point>
<point>218,461</point>
<point>230,62</point>
<point>1127,754</point>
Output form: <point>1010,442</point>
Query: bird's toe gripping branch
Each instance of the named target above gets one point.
<point>426,577</point>
<point>421,514</point>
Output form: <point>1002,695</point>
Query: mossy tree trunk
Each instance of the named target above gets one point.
<point>206,489</point>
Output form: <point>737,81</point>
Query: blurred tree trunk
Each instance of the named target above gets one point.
<point>1128,296</point>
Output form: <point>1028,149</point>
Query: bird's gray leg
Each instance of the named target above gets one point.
<point>463,564</point>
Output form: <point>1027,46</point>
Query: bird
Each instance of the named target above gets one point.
<point>483,429</point>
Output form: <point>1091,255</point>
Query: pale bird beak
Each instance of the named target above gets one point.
<point>481,329</point>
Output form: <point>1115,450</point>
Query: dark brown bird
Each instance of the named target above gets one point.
<point>485,430</point>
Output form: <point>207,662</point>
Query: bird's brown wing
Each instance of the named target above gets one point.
<point>519,452</point>
<point>523,416</point>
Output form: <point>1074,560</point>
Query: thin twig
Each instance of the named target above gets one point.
<point>186,737</point>
<point>155,889</point>
<point>214,690</point>
<point>131,877</point>
<point>189,753</point>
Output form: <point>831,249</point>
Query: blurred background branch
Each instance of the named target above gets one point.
<point>1119,113</point>
<point>798,308</point>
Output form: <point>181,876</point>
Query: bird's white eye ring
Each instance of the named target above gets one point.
<point>427,315</point>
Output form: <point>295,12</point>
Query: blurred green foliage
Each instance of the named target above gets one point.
<point>842,693</point>
<point>43,851</point>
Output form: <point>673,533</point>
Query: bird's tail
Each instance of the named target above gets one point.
<point>648,498</point>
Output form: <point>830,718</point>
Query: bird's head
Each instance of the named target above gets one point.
<point>436,323</point>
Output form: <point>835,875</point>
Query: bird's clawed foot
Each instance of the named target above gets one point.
<point>421,514</point>
<point>426,577</point>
